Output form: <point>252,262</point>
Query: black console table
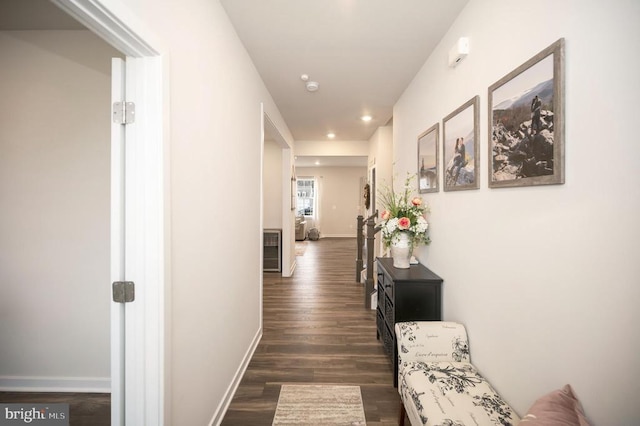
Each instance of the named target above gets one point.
<point>413,294</point>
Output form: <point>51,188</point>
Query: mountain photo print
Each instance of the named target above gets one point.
<point>526,122</point>
<point>460,154</point>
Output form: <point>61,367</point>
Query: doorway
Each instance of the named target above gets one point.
<point>278,190</point>
<point>145,261</point>
<point>55,191</point>
<point>55,226</point>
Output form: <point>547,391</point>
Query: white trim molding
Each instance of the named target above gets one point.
<point>113,21</point>
<point>55,384</point>
<point>293,268</point>
<point>221,410</point>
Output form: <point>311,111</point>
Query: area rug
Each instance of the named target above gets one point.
<point>320,405</point>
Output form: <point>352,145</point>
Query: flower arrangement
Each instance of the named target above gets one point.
<point>403,214</point>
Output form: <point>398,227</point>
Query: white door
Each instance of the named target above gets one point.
<point>118,136</point>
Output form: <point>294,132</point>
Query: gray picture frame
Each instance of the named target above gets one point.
<point>461,167</point>
<point>428,160</point>
<point>526,122</point>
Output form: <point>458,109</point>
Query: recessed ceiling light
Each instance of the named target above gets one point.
<point>331,135</point>
<point>317,163</point>
<point>366,118</point>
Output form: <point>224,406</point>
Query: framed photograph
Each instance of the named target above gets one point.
<point>460,153</point>
<point>428,160</point>
<point>526,122</point>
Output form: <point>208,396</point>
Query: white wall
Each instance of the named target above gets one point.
<point>54,197</point>
<point>381,157</point>
<point>340,202</point>
<point>216,144</point>
<point>288,215</point>
<point>545,278</point>
<point>332,147</point>
<point>272,185</point>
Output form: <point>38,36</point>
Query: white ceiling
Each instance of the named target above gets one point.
<point>363,53</point>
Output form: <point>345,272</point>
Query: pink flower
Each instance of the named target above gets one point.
<point>386,215</point>
<point>417,201</point>
<point>404,223</point>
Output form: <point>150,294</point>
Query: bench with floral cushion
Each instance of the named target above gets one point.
<point>439,386</point>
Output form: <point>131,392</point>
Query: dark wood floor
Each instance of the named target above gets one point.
<point>316,330</point>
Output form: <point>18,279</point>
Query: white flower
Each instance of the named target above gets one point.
<point>390,227</point>
<point>422,225</point>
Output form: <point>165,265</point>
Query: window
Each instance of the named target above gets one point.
<point>306,196</point>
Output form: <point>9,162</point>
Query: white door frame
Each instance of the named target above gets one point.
<point>287,217</point>
<point>146,246</point>
<point>117,249</point>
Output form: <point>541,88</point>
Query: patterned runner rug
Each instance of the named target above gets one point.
<point>320,405</point>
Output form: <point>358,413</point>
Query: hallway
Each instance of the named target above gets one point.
<point>316,330</point>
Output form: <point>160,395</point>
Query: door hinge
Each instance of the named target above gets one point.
<point>124,112</point>
<point>124,291</point>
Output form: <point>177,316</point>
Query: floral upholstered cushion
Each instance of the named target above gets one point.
<point>431,341</point>
<point>451,394</point>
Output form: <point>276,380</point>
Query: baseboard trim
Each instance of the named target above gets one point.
<point>339,236</point>
<point>55,384</point>
<point>222,408</point>
<point>293,268</point>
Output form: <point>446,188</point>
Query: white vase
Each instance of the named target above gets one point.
<point>401,251</point>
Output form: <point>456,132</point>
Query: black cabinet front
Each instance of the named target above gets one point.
<point>413,294</point>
